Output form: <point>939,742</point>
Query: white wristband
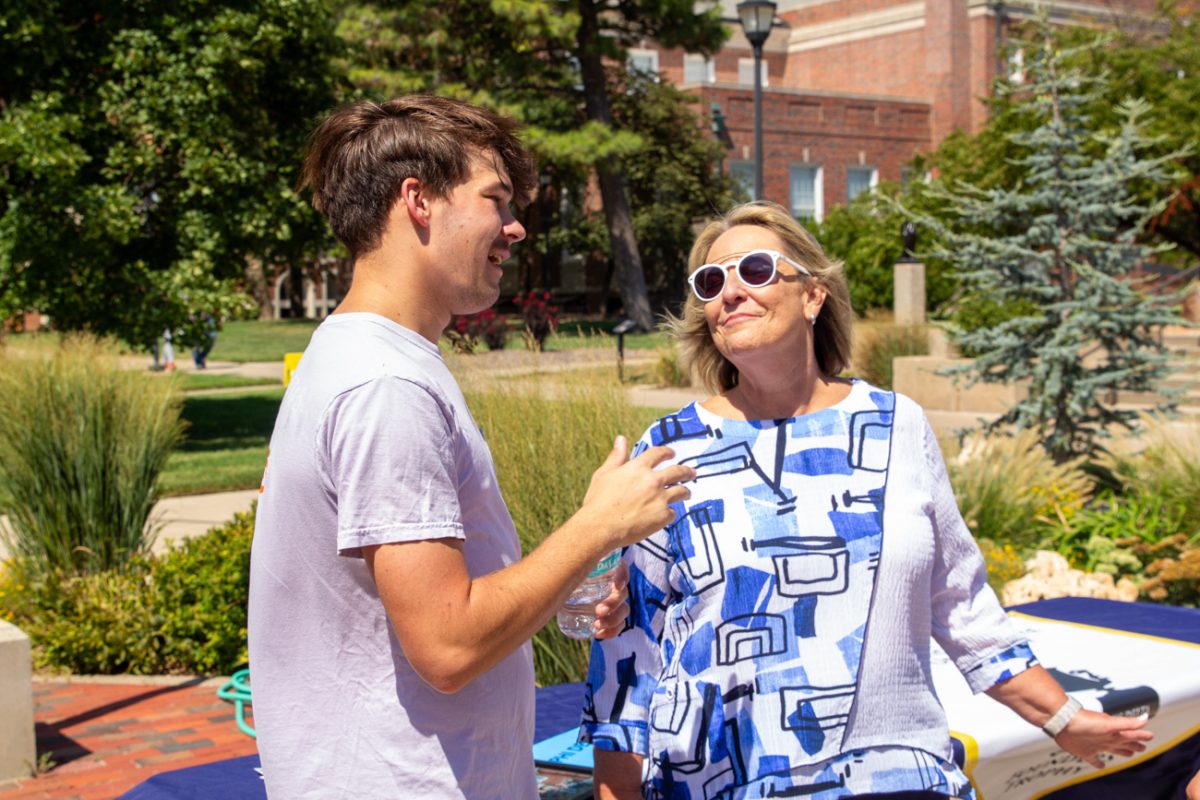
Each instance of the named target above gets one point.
<point>1056,724</point>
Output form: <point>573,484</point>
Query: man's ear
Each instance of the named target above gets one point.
<point>415,198</point>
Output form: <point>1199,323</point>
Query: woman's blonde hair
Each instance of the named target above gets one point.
<point>832,329</point>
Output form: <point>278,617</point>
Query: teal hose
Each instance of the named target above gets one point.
<point>237,691</point>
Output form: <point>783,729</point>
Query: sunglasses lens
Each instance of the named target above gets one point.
<point>709,282</point>
<point>756,269</point>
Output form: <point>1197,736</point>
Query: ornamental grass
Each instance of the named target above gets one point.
<point>82,443</point>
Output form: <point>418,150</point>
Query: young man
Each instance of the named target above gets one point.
<point>390,611</point>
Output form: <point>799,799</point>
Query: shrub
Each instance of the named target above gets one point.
<point>546,441</point>
<point>466,331</point>
<point>82,443</point>
<point>182,612</point>
<point>878,347</point>
<point>540,318</point>
<point>1010,490</point>
<point>1163,463</point>
<point>1004,563</point>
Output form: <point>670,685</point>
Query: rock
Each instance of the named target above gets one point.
<point>1051,576</point>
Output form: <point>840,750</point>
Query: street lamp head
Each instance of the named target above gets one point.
<point>757,16</point>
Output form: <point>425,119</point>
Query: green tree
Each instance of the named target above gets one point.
<point>561,71</point>
<point>148,152</point>
<point>605,30</point>
<point>1059,242</point>
<point>1157,62</point>
<point>671,180</point>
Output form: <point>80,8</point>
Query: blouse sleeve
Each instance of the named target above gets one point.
<point>968,622</point>
<point>623,671</point>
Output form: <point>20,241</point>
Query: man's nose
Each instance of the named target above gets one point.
<point>514,231</point>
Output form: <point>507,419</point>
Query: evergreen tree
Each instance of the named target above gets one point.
<point>1060,243</point>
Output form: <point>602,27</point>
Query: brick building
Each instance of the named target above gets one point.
<point>852,89</point>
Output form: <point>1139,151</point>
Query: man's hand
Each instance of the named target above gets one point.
<point>632,499</point>
<point>612,611</point>
<point>1193,788</point>
<point>1091,733</point>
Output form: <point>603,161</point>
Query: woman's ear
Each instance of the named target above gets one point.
<point>814,301</point>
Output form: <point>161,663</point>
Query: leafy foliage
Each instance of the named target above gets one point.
<point>536,71</point>
<point>149,150</point>
<point>865,236</point>
<point>82,443</point>
<point>184,611</point>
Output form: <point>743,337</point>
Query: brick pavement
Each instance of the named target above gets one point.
<point>105,737</point>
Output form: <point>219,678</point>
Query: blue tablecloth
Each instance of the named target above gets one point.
<point>1160,778</point>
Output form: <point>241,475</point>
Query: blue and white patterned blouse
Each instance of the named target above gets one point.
<point>743,670</point>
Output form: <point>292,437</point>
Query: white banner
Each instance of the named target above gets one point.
<point>1106,670</point>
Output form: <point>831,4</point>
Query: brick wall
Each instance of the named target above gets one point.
<point>833,132</point>
<point>868,82</point>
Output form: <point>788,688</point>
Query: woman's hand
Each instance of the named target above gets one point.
<point>1091,733</point>
<point>612,611</point>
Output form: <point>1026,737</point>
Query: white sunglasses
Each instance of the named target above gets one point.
<point>755,270</point>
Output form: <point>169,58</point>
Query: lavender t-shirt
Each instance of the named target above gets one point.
<point>373,445</point>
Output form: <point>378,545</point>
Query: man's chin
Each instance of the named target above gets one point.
<point>479,303</point>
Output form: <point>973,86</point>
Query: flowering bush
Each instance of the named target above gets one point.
<point>540,317</point>
<point>466,331</point>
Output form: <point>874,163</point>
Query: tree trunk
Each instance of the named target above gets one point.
<point>631,279</point>
<point>258,281</point>
<point>295,292</point>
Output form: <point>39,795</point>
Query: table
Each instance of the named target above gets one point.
<point>1120,657</point>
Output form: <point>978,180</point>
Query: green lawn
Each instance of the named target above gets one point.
<point>269,340</point>
<point>189,381</point>
<point>262,340</point>
<point>225,447</point>
<point>587,333</point>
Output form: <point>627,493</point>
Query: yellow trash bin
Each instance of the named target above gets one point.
<point>290,362</point>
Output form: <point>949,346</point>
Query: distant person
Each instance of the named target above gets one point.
<point>208,339</point>
<point>780,630</point>
<point>390,608</point>
<point>168,352</point>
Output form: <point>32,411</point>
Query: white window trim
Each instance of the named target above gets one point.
<point>640,52</point>
<point>818,189</point>
<point>710,68</point>
<point>762,68</point>
<point>871,184</point>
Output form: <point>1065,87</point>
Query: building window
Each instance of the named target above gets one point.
<point>698,69</point>
<point>859,180</point>
<point>741,173</point>
<point>644,61</point>
<point>1016,66</point>
<point>805,191</point>
<point>746,72</point>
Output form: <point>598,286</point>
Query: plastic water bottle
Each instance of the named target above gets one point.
<point>576,616</point>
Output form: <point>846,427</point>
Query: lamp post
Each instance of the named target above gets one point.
<point>757,17</point>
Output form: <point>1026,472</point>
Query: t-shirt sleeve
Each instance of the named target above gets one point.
<point>388,453</point>
<point>623,671</point>
<point>968,621</point>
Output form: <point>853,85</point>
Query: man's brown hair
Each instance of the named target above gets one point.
<point>361,154</point>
